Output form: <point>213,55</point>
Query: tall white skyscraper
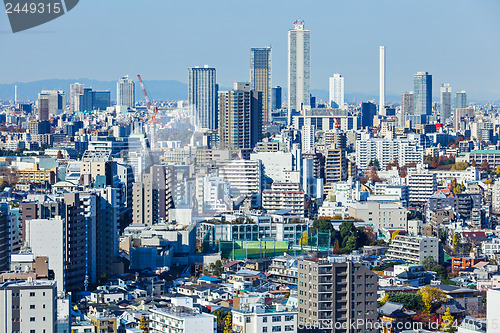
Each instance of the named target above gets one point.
<point>202,97</point>
<point>299,68</point>
<point>381,107</point>
<point>337,91</point>
<point>125,92</point>
<point>445,101</point>
<point>75,90</point>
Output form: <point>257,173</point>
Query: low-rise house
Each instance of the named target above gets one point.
<point>245,275</point>
<point>393,317</point>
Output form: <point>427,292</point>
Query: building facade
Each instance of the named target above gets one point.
<point>202,97</point>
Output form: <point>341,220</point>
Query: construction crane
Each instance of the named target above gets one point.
<point>337,119</point>
<point>153,120</point>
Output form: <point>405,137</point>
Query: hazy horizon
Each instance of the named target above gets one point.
<point>455,41</point>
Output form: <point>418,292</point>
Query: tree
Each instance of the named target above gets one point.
<point>432,297</point>
<point>484,166</point>
<point>336,247</point>
<point>144,325</point>
<point>374,176</point>
<point>346,230</point>
<point>351,243</point>
<point>411,301</point>
<point>375,163</point>
<point>447,321</point>
<point>497,171</point>
<point>228,324</point>
<point>394,234</point>
<point>59,155</point>
<point>434,163</point>
<point>473,163</point>
<point>440,270</point>
<point>220,316</point>
<point>456,241</point>
<point>429,263</point>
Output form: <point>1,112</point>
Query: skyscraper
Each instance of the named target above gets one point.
<point>240,117</point>
<point>74,91</point>
<point>407,105</point>
<point>260,77</point>
<point>202,97</point>
<point>43,109</point>
<point>445,101</point>
<point>460,100</point>
<point>56,102</point>
<point>276,94</point>
<point>337,91</point>
<point>381,107</point>
<point>299,67</point>
<point>368,111</point>
<point>125,92</point>
<point>422,94</point>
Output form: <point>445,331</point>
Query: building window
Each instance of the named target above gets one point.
<point>32,318</point>
<point>248,319</point>
<point>276,318</point>
<point>264,329</point>
<point>289,328</point>
<point>264,320</point>
<point>276,328</point>
<point>32,294</point>
<point>32,306</point>
<point>288,318</point>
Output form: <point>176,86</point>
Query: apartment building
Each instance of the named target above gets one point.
<point>28,306</point>
<point>257,318</point>
<point>414,249</point>
<point>284,196</point>
<point>181,319</point>
<point>334,293</point>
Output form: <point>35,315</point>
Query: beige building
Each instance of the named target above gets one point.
<point>334,294</point>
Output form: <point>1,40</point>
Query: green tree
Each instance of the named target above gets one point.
<point>346,230</point>
<point>336,247</point>
<point>441,271</point>
<point>429,263</point>
<point>411,301</point>
<point>220,316</point>
<point>351,243</point>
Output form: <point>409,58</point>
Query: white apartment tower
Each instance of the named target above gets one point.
<point>125,92</point>
<point>299,68</point>
<point>381,107</point>
<point>337,91</point>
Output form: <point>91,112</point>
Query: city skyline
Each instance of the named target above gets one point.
<point>410,48</point>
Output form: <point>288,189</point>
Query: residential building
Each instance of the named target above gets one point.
<point>181,319</point>
<point>383,215</point>
<point>28,306</point>
<point>284,196</point>
<point>333,292</point>
<point>202,97</point>
<point>414,249</point>
<point>240,117</point>
<point>337,91</point>
<point>258,318</point>
<point>422,185</point>
<point>299,68</point>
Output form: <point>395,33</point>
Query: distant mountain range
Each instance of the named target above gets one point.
<point>157,89</point>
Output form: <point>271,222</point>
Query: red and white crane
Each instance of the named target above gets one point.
<point>153,120</point>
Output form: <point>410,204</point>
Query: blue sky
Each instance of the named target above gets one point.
<point>456,41</point>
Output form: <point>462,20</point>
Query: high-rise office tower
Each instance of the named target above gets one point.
<point>368,111</point>
<point>74,91</point>
<point>240,117</point>
<point>276,94</point>
<point>337,91</point>
<point>56,103</point>
<point>260,77</point>
<point>460,100</point>
<point>381,107</point>
<point>445,101</point>
<point>407,105</point>
<point>299,68</point>
<point>422,94</point>
<point>43,109</point>
<point>202,97</point>
<point>125,92</point>
<point>336,295</point>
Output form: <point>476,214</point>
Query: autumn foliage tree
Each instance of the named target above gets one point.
<point>432,297</point>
